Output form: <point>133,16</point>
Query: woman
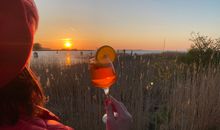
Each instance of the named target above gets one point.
<point>21,97</point>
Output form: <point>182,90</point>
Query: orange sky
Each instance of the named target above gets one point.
<point>125,24</point>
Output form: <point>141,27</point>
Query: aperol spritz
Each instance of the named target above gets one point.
<point>103,74</point>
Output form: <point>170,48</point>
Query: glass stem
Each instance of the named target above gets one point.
<point>106,90</point>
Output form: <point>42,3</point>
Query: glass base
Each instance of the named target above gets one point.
<point>104,118</point>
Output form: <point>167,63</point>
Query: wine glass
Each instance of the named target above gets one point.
<point>102,70</point>
<point>102,75</point>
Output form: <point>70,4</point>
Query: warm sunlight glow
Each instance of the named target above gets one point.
<point>68,59</point>
<point>68,45</point>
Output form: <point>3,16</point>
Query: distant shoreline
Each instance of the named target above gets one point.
<point>121,50</point>
<point>63,50</point>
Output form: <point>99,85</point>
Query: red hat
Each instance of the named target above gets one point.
<point>18,22</point>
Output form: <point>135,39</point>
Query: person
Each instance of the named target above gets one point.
<point>21,96</point>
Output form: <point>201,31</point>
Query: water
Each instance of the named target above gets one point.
<point>74,57</point>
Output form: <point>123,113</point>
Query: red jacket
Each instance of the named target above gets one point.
<point>47,121</point>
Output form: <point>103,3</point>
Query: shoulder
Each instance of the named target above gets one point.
<point>37,124</point>
<point>55,125</point>
<point>51,120</point>
<point>48,124</point>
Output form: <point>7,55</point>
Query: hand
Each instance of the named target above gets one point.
<point>121,121</point>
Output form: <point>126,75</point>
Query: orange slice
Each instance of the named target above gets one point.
<point>105,53</point>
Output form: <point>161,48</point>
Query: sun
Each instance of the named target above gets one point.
<point>68,45</point>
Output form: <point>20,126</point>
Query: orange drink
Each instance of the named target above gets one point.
<point>101,68</point>
<point>103,75</point>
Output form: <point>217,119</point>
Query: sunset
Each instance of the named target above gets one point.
<point>109,64</point>
<point>126,24</point>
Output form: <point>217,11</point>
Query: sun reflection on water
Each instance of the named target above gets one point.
<point>68,60</point>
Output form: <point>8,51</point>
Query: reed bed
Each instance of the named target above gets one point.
<point>160,93</point>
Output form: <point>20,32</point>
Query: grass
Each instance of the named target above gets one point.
<point>160,93</point>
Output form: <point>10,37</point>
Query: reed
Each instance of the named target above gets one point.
<point>160,93</point>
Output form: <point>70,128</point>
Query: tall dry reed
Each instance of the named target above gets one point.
<point>158,92</point>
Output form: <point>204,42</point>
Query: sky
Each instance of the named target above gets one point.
<point>126,24</point>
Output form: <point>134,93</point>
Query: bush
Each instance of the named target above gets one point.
<point>204,51</point>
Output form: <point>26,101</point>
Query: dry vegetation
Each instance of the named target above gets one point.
<point>160,93</point>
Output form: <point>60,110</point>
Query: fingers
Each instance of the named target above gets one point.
<point>120,108</point>
<point>109,110</point>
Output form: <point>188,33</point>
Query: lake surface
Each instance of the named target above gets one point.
<point>74,57</point>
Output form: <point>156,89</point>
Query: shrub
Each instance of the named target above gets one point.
<point>204,51</point>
